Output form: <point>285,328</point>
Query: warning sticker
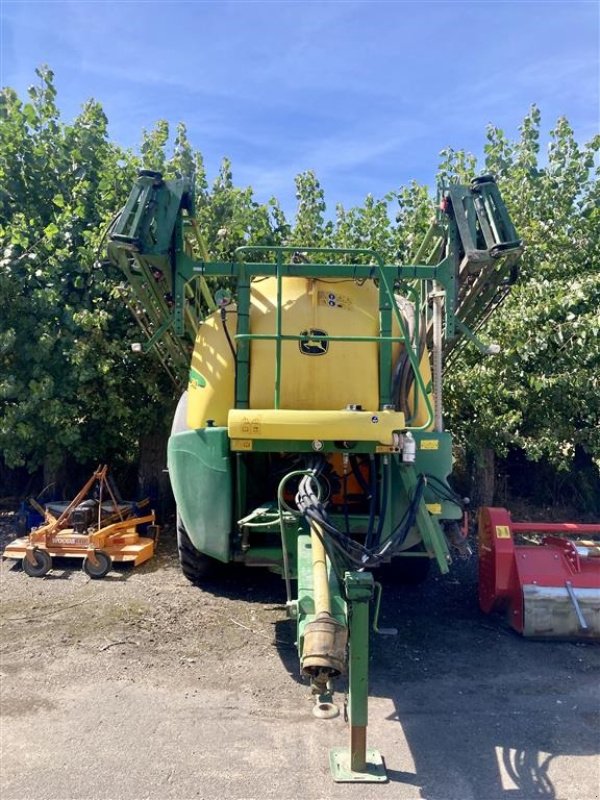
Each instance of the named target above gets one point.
<point>334,300</point>
<point>430,444</point>
<point>502,532</point>
<point>241,444</point>
<point>434,508</point>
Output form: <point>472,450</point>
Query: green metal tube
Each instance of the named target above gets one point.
<point>294,337</point>
<point>242,377</point>
<point>321,272</point>
<point>359,590</point>
<point>359,663</point>
<point>278,335</point>
<point>385,347</point>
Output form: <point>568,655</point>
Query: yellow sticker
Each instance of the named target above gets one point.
<point>430,444</point>
<point>434,508</point>
<point>241,444</point>
<point>502,532</point>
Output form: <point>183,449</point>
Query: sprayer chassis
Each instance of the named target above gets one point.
<point>219,465</point>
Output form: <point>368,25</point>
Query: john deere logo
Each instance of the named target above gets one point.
<point>312,344</point>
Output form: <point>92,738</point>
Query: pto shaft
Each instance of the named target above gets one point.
<point>322,598</point>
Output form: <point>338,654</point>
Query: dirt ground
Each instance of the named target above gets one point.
<point>141,686</point>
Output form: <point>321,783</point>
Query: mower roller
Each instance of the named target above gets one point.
<point>97,532</point>
<point>309,437</point>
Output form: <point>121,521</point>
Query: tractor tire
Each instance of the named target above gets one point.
<point>407,571</point>
<point>196,566</point>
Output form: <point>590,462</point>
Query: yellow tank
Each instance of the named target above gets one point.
<point>315,374</point>
<point>212,372</point>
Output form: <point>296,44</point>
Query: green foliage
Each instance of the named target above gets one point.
<point>365,227</point>
<point>542,393</point>
<point>310,228</point>
<point>230,217</point>
<point>415,213</point>
<point>69,384</point>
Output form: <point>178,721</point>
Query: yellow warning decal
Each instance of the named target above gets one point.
<point>430,444</point>
<point>502,532</point>
<point>241,444</point>
<point>434,508</point>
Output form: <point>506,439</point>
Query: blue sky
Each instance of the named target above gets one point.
<point>364,93</point>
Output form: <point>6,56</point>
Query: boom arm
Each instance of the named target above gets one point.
<point>464,267</point>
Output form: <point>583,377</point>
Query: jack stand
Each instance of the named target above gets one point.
<point>356,764</point>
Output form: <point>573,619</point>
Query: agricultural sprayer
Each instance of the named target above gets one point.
<point>309,437</point>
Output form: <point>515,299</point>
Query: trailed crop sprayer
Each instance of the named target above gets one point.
<point>309,438</point>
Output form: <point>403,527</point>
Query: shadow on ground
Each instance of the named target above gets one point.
<point>484,712</point>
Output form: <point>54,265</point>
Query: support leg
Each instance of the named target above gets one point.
<point>356,763</point>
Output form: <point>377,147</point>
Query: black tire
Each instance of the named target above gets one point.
<point>196,566</point>
<point>96,571</point>
<point>410,571</point>
<point>43,564</point>
<point>152,532</point>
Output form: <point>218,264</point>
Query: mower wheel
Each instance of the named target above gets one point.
<point>197,567</point>
<point>43,564</point>
<point>100,569</point>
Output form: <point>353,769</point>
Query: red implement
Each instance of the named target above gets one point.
<point>548,585</point>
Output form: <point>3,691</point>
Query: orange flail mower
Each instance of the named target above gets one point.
<point>99,529</point>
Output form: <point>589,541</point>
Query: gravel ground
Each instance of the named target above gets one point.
<point>143,686</point>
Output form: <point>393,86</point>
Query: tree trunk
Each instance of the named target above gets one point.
<point>57,476</point>
<point>152,476</point>
<point>486,476</point>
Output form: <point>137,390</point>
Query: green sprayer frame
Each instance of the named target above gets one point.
<point>462,272</point>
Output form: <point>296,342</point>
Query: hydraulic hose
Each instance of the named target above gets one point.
<point>373,495</point>
<point>353,553</point>
<point>227,334</point>
<point>384,500</point>
<point>359,476</point>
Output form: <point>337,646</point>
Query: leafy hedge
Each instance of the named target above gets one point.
<point>69,385</point>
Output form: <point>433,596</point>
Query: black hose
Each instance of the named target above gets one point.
<point>444,491</point>
<point>383,506</point>
<point>359,476</point>
<point>352,552</point>
<point>226,330</point>
<point>403,374</point>
<point>345,495</point>
<point>373,493</point>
